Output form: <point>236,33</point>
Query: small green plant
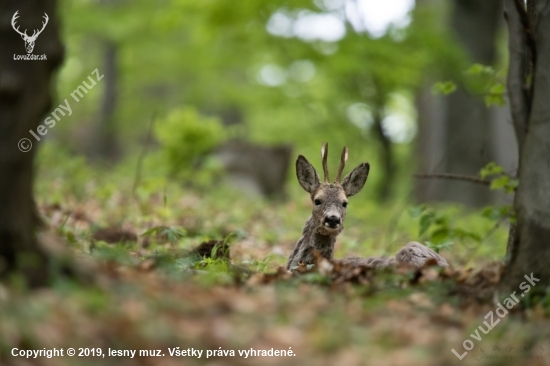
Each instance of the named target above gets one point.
<point>437,230</point>
<point>263,265</point>
<point>437,247</point>
<point>173,234</point>
<point>186,136</point>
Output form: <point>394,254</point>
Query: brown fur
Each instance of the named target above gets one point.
<point>329,206</point>
<point>328,214</point>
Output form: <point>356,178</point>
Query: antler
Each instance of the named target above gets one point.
<point>343,159</point>
<point>37,33</point>
<point>324,154</point>
<point>13,19</point>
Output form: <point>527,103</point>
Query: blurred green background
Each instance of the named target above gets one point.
<point>217,98</point>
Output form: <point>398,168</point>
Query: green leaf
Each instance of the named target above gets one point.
<point>150,231</point>
<point>478,69</point>
<point>511,186</point>
<point>425,222</point>
<point>491,213</point>
<point>495,96</point>
<point>497,89</point>
<point>415,212</point>
<point>500,182</point>
<point>437,247</point>
<point>443,87</point>
<point>441,220</point>
<point>174,233</point>
<point>463,234</point>
<point>491,169</point>
<point>440,235</point>
<point>496,213</point>
<point>475,69</point>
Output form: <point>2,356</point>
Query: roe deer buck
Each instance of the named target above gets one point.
<point>330,201</point>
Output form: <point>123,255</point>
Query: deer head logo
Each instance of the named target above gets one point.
<point>29,40</point>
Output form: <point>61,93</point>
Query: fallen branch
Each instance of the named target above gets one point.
<point>466,178</point>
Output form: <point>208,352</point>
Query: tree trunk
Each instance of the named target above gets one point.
<point>386,184</point>
<point>105,143</point>
<point>529,248</point>
<point>387,163</point>
<point>25,99</point>
<point>475,24</point>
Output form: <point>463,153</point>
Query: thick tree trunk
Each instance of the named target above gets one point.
<point>529,248</point>
<point>475,24</point>
<point>25,98</point>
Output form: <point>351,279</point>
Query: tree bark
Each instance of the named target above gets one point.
<point>386,157</point>
<point>25,98</point>
<point>475,24</point>
<point>385,187</point>
<point>517,71</point>
<point>530,250</point>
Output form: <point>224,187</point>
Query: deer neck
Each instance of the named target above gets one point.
<point>312,239</point>
<point>315,237</point>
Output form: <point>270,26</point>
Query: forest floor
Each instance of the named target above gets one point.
<point>148,291</point>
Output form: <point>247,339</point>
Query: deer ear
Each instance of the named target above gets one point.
<point>307,176</point>
<point>354,181</point>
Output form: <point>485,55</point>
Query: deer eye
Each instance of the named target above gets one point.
<point>345,204</point>
<point>317,202</point>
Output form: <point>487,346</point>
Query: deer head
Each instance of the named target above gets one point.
<point>330,199</point>
<point>29,40</point>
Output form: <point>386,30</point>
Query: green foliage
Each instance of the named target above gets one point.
<point>480,79</point>
<point>479,69</point>
<point>488,82</point>
<point>116,253</point>
<point>495,95</point>
<point>538,298</point>
<point>264,264</point>
<point>186,136</point>
<point>491,169</point>
<point>438,230</point>
<point>498,213</point>
<point>443,88</point>
<point>211,55</point>
<point>499,179</point>
<point>505,182</point>
<point>173,234</point>
<point>446,245</point>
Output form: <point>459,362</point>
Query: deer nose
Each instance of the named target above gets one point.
<point>332,221</point>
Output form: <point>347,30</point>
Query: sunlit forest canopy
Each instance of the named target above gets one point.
<point>273,71</point>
